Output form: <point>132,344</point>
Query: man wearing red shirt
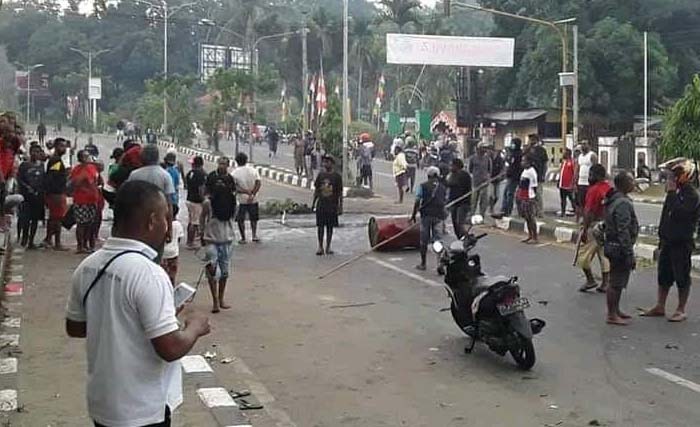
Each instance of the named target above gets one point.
<point>566,182</point>
<point>591,238</point>
<point>10,142</point>
<point>83,180</point>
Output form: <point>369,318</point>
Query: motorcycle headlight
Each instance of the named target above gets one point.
<point>438,247</point>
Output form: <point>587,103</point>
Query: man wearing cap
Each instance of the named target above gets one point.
<point>430,202</point>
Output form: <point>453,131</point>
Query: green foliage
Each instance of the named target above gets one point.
<point>681,136</point>
<point>331,128</point>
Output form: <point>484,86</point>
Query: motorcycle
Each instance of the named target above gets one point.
<point>487,309</point>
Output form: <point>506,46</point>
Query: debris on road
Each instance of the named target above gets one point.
<point>209,355</point>
<point>360,304</point>
<point>672,346</point>
<point>227,360</point>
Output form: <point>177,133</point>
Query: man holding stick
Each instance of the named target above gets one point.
<point>430,202</point>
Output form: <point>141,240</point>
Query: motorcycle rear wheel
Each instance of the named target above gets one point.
<point>524,355</point>
<point>460,318</point>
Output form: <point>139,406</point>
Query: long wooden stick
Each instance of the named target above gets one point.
<point>411,227</point>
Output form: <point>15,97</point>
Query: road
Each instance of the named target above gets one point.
<point>648,214</point>
<point>316,360</point>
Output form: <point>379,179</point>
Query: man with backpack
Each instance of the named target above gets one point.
<point>218,230</point>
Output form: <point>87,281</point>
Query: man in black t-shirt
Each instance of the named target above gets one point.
<point>221,189</point>
<point>31,180</point>
<point>56,181</point>
<point>328,203</point>
<point>195,182</point>
<point>459,183</point>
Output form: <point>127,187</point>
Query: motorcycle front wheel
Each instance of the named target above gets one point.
<point>524,354</point>
<point>461,319</point>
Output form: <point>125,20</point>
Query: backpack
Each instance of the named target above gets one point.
<point>222,195</point>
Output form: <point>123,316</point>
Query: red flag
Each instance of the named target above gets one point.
<point>321,103</point>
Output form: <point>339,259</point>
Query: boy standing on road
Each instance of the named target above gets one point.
<point>328,203</point>
<point>679,219</point>
<point>195,184</point>
<point>122,302</point>
<point>621,231</point>
<point>593,214</point>
<point>248,184</point>
<point>218,235</point>
<point>526,198</point>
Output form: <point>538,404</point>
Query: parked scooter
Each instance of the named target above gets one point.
<point>487,309</point>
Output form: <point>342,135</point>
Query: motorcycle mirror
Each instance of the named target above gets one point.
<point>438,247</point>
<point>477,219</point>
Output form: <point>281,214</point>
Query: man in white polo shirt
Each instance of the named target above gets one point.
<point>122,302</point>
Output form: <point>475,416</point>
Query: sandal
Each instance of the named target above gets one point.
<point>587,287</point>
<point>320,252</point>
<point>678,317</point>
<point>244,405</point>
<point>256,240</point>
<point>239,394</point>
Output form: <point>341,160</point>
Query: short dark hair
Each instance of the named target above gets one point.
<point>198,161</point>
<point>60,140</point>
<point>458,162</point>
<point>623,178</point>
<point>134,198</point>
<point>597,172</point>
<point>128,143</point>
<point>150,155</point>
<point>517,142</point>
<point>241,159</point>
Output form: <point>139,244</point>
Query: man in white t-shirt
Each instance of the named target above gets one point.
<point>122,302</point>
<point>248,183</point>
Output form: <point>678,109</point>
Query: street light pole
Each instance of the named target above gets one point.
<point>576,105</point>
<point>93,102</point>
<point>29,87</point>
<point>346,158</point>
<point>564,53</point>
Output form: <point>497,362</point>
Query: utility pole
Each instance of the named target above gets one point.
<point>646,88</point>
<point>304,78</point>
<point>346,158</point>
<point>576,106</point>
<point>165,67</point>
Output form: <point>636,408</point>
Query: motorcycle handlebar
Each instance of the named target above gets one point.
<point>481,236</point>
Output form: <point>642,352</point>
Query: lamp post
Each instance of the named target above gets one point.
<point>89,56</point>
<point>347,178</point>
<point>167,13</point>
<point>29,86</point>
<point>564,51</point>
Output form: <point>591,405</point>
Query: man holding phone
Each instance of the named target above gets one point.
<point>122,302</point>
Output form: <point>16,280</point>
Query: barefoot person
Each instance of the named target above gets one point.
<point>526,199</point>
<point>218,230</point>
<point>679,218</point>
<point>593,214</point>
<point>248,184</point>
<point>328,203</point>
<point>621,231</point>
<point>56,183</point>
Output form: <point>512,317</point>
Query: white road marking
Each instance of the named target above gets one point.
<point>12,322</point>
<point>400,270</point>
<point>674,379</point>
<point>8,365</point>
<point>214,397</point>
<point>194,364</point>
<point>396,259</point>
<point>8,400</point>
<point>11,340</point>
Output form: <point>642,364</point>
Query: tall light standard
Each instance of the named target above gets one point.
<point>89,55</point>
<point>253,52</point>
<point>346,111</point>
<point>167,13</point>
<point>564,52</point>
<point>30,68</point>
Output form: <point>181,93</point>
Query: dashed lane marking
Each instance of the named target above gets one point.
<point>195,364</point>
<point>674,379</point>
<point>400,270</point>
<point>12,322</point>
<point>214,397</point>
<point>8,365</point>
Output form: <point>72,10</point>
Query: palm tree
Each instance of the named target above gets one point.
<point>363,37</point>
<point>399,12</point>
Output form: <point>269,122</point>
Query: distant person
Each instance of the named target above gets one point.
<point>540,160</point>
<point>459,183</point>
<point>364,162</point>
<point>328,204</point>
<point>479,167</point>
<point>41,132</point>
<point>643,171</point>
<point>412,159</point>
<point>299,155</point>
<point>92,149</point>
<point>273,139</point>
<point>31,182</point>
<point>679,219</point>
<point>621,231</point>
<point>566,182</point>
<point>248,185</point>
<point>122,302</point>
<point>218,232</point>
<point>400,170</point>
<point>430,202</point>
<point>83,183</point>
<point>584,162</point>
<point>591,239</point>
<point>171,250</point>
<point>56,199</point>
<point>526,198</point>
<point>172,168</point>
<point>514,169</point>
<point>121,127</point>
<point>195,184</point>
<point>498,165</point>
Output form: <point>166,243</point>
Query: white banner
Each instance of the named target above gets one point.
<point>95,88</point>
<point>447,50</point>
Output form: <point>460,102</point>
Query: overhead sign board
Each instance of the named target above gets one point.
<point>420,49</point>
<point>95,88</point>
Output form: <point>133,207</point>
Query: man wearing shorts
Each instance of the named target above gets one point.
<point>430,202</point>
<point>592,245</point>
<point>328,203</point>
<point>679,219</point>
<point>248,183</point>
<point>195,184</point>
<point>56,180</point>
<point>218,235</point>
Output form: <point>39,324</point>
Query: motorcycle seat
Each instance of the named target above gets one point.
<point>483,283</point>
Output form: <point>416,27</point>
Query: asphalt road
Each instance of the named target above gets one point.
<point>396,359</point>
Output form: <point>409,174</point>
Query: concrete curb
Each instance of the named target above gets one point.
<point>562,234</point>
<point>11,269</point>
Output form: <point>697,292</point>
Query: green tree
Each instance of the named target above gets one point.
<point>331,129</point>
<point>681,136</point>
